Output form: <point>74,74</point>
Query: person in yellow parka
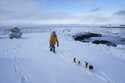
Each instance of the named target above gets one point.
<point>53,41</point>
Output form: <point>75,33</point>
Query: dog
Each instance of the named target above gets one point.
<point>74,59</point>
<point>86,64</point>
<point>79,62</point>
<point>89,66</point>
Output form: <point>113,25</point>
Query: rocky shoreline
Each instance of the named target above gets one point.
<point>97,38</point>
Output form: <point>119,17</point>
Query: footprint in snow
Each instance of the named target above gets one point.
<point>23,79</point>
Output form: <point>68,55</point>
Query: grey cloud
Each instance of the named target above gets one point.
<point>95,9</point>
<point>95,19</point>
<point>119,16</point>
<point>121,12</point>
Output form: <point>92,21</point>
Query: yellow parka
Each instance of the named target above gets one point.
<point>53,39</point>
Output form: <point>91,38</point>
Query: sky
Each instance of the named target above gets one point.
<point>62,12</point>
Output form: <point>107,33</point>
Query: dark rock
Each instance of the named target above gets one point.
<point>108,43</point>
<point>83,36</point>
<point>122,39</point>
<point>96,39</point>
<point>15,33</point>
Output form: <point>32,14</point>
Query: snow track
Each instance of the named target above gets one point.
<point>100,75</point>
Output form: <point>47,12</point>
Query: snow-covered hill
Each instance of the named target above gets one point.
<point>28,60</point>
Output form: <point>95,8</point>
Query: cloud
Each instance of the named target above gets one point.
<point>19,9</point>
<point>36,12</point>
<point>95,10</point>
<point>28,11</point>
<point>120,13</point>
<point>88,1</point>
<point>119,16</point>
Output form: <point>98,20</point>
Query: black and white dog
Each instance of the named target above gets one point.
<point>89,66</point>
<point>86,64</point>
<point>75,60</point>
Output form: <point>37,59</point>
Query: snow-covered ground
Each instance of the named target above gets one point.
<point>28,60</point>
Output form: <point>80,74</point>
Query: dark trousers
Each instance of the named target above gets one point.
<point>52,48</point>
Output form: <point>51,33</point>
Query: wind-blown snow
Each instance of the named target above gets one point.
<point>28,60</point>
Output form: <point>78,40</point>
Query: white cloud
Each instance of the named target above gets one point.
<point>18,9</point>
